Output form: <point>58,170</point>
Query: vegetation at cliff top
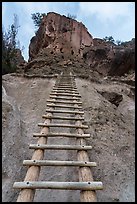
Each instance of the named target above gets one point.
<point>37,18</point>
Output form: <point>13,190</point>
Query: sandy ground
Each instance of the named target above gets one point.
<point>112,132</point>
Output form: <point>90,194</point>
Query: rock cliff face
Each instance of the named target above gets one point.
<point>62,42</point>
<point>60,34</point>
<point>109,59</point>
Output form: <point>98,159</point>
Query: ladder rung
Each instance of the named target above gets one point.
<point>61,86</point>
<point>69,98</point>
<point>65,111</point>
<point>61,135</point>
<point>68,84</point>
<point>62,125</point>
<point>64,91</point>
<point>60,147</point>
<point>62,118</point>
<point>68,76</point>
<point>65,94</point>
<point>61,106</point>
<point>58,163</point>
<point>90,185</point>
<point>65,86</point>
<point>68,102</point>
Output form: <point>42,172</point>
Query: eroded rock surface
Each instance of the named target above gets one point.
<point>60,34</point>
<point>63,42</point>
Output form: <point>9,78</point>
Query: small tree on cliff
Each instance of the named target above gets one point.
<point>9,46</point>
<point>72,16</point>
<point>109,39</point>
<point>37,18</point>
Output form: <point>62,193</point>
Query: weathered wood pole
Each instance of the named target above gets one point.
<point>27,195</point>
<point>85,173</point>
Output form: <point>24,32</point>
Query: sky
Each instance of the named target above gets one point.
<point>116,19</point>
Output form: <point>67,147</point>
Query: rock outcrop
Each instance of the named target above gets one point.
<point>106,58</point>
<point>61,34</point>
<point>62,42</point>
<point>13,141</point>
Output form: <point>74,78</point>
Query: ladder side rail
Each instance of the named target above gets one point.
<point>27,195</point>
<point>85,173</point>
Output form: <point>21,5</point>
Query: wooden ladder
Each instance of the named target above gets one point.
<point>66,98</point>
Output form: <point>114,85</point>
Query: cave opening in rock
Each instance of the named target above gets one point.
<point>112,97</point>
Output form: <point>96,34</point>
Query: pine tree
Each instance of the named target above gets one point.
<point>37,17</point>
<point>9,45</point>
